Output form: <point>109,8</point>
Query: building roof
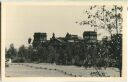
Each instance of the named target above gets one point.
<point>38,34</point>
<point>90,33</point>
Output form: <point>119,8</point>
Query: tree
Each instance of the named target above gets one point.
<point>30,53</point>
<point>103,17</point>
<point>22,54</point>
<point>11,52</point>
<point>116,49</point>
<point>29,40</point>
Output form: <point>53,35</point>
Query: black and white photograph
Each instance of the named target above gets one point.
<point>63,40</point>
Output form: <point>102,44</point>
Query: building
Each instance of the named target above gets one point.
<point>39,38</point>
<point>70,49</point>
<point>90,44</point>
<point>71,38</point>
<point>90,36</point>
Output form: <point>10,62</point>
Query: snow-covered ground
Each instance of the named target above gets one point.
<point>24,71</point>
<point>52,70</point>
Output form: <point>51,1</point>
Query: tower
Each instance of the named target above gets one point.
<point>39,38</point>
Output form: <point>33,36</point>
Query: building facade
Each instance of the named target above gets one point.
<point>67,50</point>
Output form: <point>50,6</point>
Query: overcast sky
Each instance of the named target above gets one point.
<point>23,20</point>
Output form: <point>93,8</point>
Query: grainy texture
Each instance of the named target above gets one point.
<point>83,53</point>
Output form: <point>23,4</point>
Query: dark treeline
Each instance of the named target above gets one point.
<point>104,53</point>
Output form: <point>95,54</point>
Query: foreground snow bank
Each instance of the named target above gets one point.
<point>76,71</point>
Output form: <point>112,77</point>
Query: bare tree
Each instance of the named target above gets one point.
<point>103,17</point>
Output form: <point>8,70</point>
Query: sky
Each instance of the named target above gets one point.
<point>22,21</point>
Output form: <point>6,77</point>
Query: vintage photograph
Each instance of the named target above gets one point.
<point>63,40</point>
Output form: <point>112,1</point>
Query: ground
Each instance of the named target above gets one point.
<point>52,70</point>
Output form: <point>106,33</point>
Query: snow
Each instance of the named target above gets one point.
<point>45,69</point>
